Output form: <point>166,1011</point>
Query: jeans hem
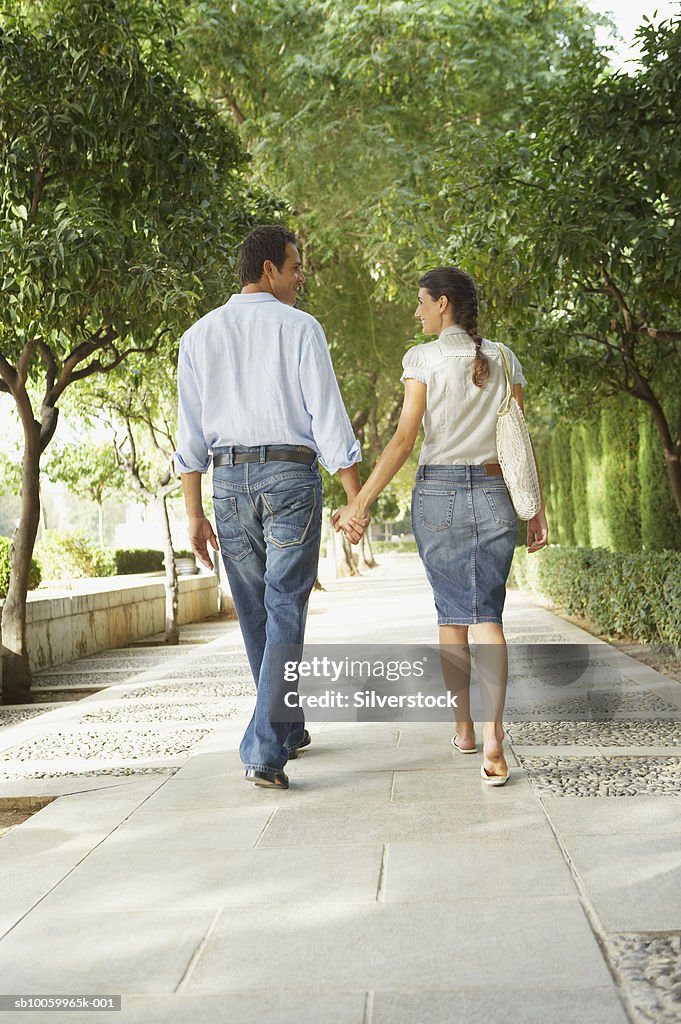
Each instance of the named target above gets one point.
<point>262,768</point>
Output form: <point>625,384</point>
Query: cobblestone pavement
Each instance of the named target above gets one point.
<point>388,884</point>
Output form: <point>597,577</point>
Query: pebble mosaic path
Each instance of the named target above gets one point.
<point>387,884</point>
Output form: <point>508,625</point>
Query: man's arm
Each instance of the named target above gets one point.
<point>352,485</point>
<point>198,526</point>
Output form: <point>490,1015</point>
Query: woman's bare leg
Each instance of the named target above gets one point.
<point>455,658</point>
<point>491,661</point>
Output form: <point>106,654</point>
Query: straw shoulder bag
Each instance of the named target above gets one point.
<point>516,456</point>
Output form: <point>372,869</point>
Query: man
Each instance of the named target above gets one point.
<point>257,390</point>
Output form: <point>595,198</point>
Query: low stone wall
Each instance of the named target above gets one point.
<point>98,614</point>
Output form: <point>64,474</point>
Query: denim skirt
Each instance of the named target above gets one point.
<point>466,531</point>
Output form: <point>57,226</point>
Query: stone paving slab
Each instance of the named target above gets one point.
<point>192,876</point>
<point>220,792</point>
<point>117,952</point>
<point>462,869</point>
<point>402,947</point>
<point>489,1003</point>
<point>642,815</point>
<point>292,826</point>
<point>633,881</point>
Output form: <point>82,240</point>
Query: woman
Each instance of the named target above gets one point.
<point>463,519</point>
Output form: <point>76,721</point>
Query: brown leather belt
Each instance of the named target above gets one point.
<point>304,455</point>
<point>493,469</point>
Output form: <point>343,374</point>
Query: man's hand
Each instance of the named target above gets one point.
<point>537,532</point>
<point>350,522</point>
<point>200,536</point>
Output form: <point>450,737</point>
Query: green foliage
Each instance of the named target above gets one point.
<point>578,483</point>
<point>119,194</point>
<point>360,107</point>
<point>559,500</point>
<point>636,596</point>
<point>619,435</point>
<point>34,576</point>
<point>140,560</point>
<point>70,554</point>
<point>137,560</point>
<point>572,226</point>
<point>89,470</point>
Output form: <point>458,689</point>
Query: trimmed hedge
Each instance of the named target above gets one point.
<point>134,560</point>
<point>635,595</point>
<point>34,576</point>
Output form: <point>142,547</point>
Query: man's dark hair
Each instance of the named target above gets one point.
<point>264,242</point>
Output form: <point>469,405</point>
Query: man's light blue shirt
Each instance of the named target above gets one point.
<point>254,372</point>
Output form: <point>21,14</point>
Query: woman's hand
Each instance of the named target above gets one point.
<point>537,532</point>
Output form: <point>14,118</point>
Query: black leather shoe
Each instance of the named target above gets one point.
<point>305,742</point>
<point>274,780</point>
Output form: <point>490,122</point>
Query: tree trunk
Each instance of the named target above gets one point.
<point>345,565</point>
<point>16,674</point>
<point>671,447</point>
<point>365,556</point>
<point>171,584</point>
<point>43,510</point>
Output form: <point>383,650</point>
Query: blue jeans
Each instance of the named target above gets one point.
<point>268,518</point>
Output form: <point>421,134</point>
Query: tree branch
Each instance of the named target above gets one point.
<point>653,332</point>
<point>39,182</point>
<point>50,363</point>
<point>620,300</point>
<point>9,376</point>
<point>131,463</point>
<point>25,360</point>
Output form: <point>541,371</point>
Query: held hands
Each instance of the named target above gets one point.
<point>200,536</point>
<point>351,521</point>
<point>537,532</point>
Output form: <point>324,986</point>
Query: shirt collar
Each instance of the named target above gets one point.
<point>457,338</point>
<point>252,297</point>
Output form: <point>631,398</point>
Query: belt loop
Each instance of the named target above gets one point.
<point>263,453</point>
<point>229,456</point>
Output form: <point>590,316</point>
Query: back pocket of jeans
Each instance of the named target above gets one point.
<point>436,509</point>
<point>233,538</point>
<point>291,514</point>
<point>501,505</point>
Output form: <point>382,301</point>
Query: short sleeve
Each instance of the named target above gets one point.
<point>517,375</point>
<point>414,366</point>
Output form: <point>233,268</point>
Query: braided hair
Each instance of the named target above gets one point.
<point>459,288</point>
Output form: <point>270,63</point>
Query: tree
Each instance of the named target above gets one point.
<point>140,409</point>
<point>120,205</point>
<point>574,231</point>
<point>89,471</point>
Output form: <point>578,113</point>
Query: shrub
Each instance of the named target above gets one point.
<point>134,560</point>
<point>70,554</point>
<point>635,595</point>
<point>34,575</point>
